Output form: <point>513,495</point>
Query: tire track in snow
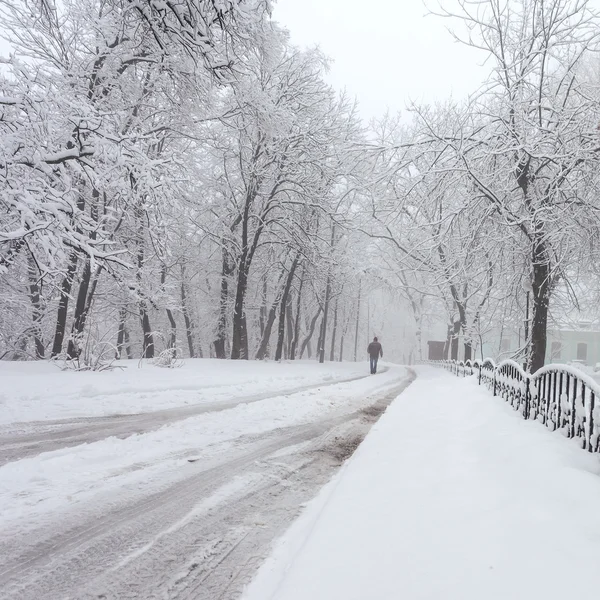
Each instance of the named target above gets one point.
<point>158,548</point>
<point>56,435</point>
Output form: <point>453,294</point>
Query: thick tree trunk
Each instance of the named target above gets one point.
<point>92,292</point>
<point>172,342</point>
<point>239,338</point>
<point>121,332</point>
<point>220,341</point>
<point>74,345</point>
<point>36,315</point>
<point>540,266</point>
<point>65,292</point>
<point>282,310</point>
<point>454,343</point>
<point>148,337</point>
<point>468,350</point>
<point>83,303</point>
<point>63,305</point>
<point>186,316</point>
<point>148,343</point>
<point>541,297</point>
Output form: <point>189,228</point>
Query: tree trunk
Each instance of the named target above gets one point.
<point>148,343</point>
<point>219,342</point>
<point>172,340</point>
<point>85,297</point>
<point>239,339</point>
<point>186,315</point>
<point>148,338</point>
<point>323,334</point>
<point>448,342</point>
<point>455,331</point>
<point>541,297</point>
<point>36,316</point>
<point>357,322</point>
<point>289,331</point>
<point>92,292</point>
<point>334,331</point>
<point>297,321</point>
<point>121,332</point>
<point>262,316</point>
<point>263,347</point>
<point>282,310</point>
<point>173,329</point>
<point>63,305</point>
<point>468,350</point>
<point>311,330</point>
<point>74,345</point>
<point>127,342</point>
<point>419,333</point>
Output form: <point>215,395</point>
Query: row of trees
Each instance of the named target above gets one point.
<point>495,200</point>
<point>177,175</point>
<point>171,167</point>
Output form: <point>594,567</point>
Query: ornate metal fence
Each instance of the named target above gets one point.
<point>559,396</point>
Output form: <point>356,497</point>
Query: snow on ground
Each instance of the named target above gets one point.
<point>452,496</point>
<point>36,391</point>
<point>66,478</point>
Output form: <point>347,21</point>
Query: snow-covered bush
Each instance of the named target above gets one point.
<point>170,358</point>
<point>97,357</point>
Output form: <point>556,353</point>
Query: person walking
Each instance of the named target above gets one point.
<point>375,351</point>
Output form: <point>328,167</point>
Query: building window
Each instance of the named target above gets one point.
<point>555,351</point>
<point>582,351</point>
<point>505,345</point>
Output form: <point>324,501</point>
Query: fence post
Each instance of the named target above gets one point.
<point>527,397</point>
<point>494,371</point>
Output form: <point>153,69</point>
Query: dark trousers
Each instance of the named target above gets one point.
<point>373,362</point>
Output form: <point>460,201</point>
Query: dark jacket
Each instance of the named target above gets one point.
<point>375,350</point>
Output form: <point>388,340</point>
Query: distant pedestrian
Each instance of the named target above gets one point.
<point>375,351</point>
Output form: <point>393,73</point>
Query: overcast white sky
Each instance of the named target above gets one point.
<point>384,52</point>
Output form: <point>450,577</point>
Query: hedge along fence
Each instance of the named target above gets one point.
<point>560,397</point>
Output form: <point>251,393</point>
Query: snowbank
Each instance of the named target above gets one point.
<point>450,496</point>
<point>37,391</point>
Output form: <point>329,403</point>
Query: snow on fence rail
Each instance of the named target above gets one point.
<point>559,396</point>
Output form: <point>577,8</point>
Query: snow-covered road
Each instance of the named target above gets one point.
<point>32,438</point>
<point>186,509</point>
